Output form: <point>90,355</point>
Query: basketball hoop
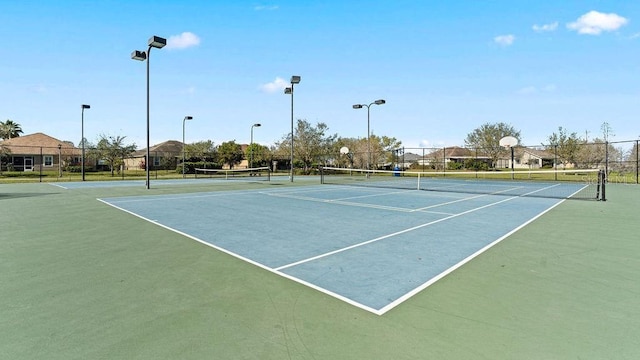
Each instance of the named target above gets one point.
<point>508,141</point>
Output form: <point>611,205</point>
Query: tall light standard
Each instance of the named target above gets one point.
<point>159,43</point>
<point>360,106</point>
<point>183,144</point>
<point>251,146</point>
<point>84,106</point>
<point>294,80</point>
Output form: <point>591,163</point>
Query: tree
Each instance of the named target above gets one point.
<point>113,150</point>
<point>349,159</point>
<point>9,129</point>
<point>566,147</point>
<point>230,153</point>
<point>4,156</point>
<point>311,143</point>
<point>258,155</point>
<point>487,137</point>
<point>200,151</point>
<point>382,149</point>
<point>607,131</point>
<point>595,154</point>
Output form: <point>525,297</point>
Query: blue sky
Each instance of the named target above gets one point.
<point>444,68</point>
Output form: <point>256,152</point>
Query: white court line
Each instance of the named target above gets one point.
<point>392,208</point>
<point>197,195</point>
<point>58,185</point>
<point>326,201</point>
<point>400,232</point>
<point>373,195</point>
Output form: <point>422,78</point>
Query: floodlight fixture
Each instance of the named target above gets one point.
<point>379,102</point>
<point>295,79</point>
<point>157,42</point>
<point>139,55</point>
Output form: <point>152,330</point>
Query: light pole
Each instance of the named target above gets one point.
<point>183,144</point>
<point>251,146</point>
<point>159,43</point>
<point>294,80</point>
<point>360,106</point>
<point>83,106</point>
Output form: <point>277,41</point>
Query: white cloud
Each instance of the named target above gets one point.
<point>545,27</point>
<point>635,36</point>
<point>594,23</point>
<point>504,40</point>
<point>183,41</point>
<point>265,7</point>
<point>276,85</point>
<point>424,144</point>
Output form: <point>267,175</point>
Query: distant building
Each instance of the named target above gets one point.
<point>38,151</point>
<point>162,155</point>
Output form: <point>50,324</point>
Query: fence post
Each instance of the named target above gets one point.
<point>606,157</point>
<point>41,163</point>
<point>555,161</point>
<point>444,159</point>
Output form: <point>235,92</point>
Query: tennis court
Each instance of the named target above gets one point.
<point>84,280</point>
<point>371,247</point>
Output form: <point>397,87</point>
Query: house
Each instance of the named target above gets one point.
<point>527,158</point>
<point>407,159</point>
<point>163,155</point>
<point>450,155</point>
<point>36,152</point>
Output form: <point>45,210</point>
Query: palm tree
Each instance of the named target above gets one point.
<point>9,129</point>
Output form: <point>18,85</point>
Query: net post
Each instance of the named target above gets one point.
<point>419,175</point>
<point>321,169</point>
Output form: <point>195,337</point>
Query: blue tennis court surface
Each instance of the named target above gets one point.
<point>371,247</point>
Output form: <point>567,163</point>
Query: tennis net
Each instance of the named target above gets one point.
<point>250,174</point>
<point>564,184</point>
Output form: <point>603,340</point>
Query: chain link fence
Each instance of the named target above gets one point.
<point>619,159</point>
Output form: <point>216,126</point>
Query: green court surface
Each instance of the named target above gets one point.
<point>83,280</point>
